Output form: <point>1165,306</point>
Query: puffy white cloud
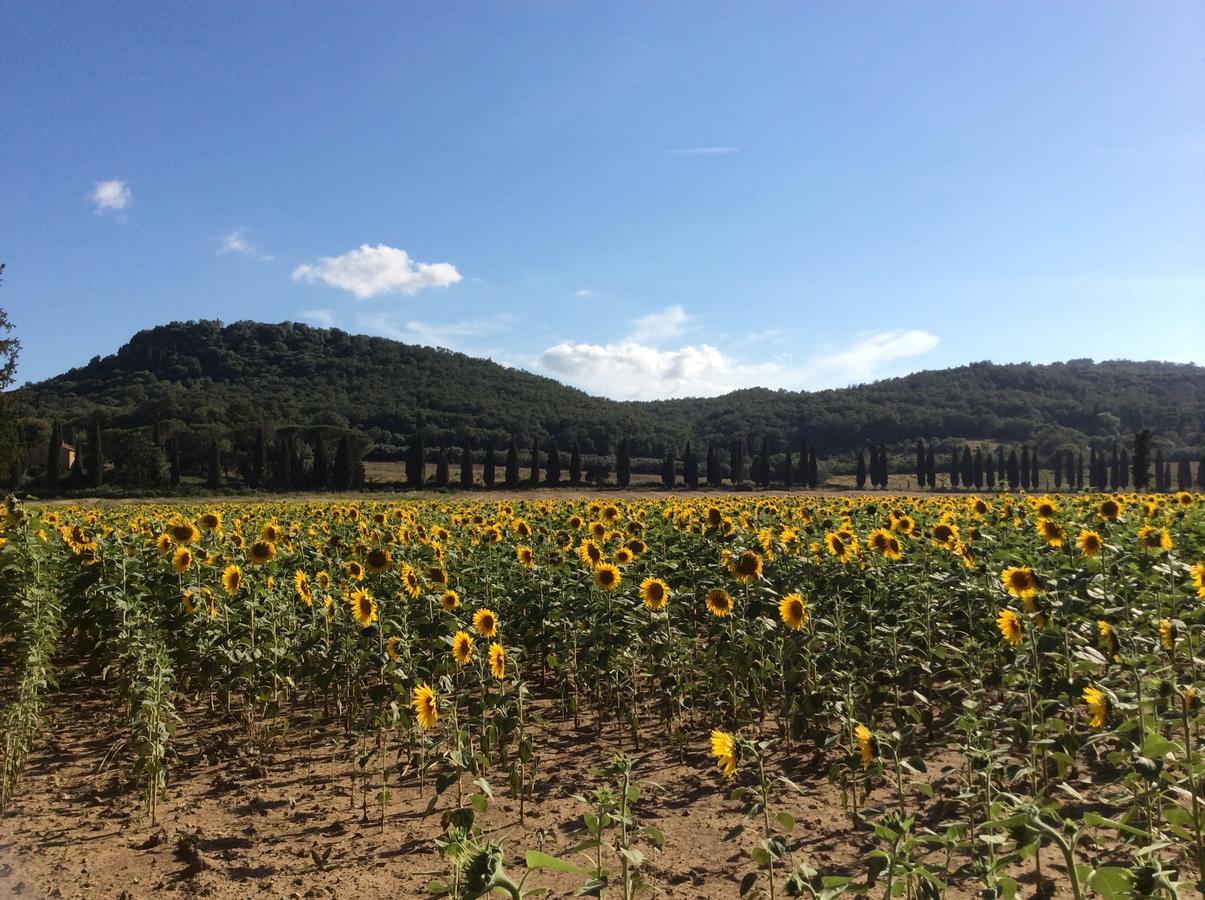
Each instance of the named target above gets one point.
<point>111,196</point>
<point>238,242</point>
<point>368,271</point>
<point>657,327</point>
<point>629,370</point>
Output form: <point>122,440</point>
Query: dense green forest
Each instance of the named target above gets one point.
<point>203,384</point>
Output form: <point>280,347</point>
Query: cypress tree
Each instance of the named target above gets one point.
<point>1025,467</point>
<point>489,474</point>
<point>534,465</point>
<point>342,474</point>
<point>54,465</point>
<point>989,473</point>
<point>1167,476</point>
<point>930,467</point>
<point>690,467</point>
<point>1159,485</point>
<point>552,467</point>
<point>1000,466</point>
<point>76,473</point>
<point>1123,469</point>
<point>575,465</point>
<point>920,463</point>
<point>1058,471</point>
<point>1013,471</point>
<point>668,476</point>
<point>734,473</point>
<point>1184,475</point>
<point>174,476</point>
<point>420,461</point>
<point>1142,459</point>
<point>213,479</point>
<point>803,462</point>
<point>1092,484</point>
<point>740,460</point>
<point>788,470</point>
<point>466,466</point>
<point>968,466</point>
<point>442,473</point>
<point>623,464</point>
<point>1201,473</point>
<point>872,466</point>
<point>977,469</point>
<point>320,475</point>
<point>813,468</point>
<point>283,463</point>
<point>156,472</point>
<point>954,468</point>
<point>259,459</point>
<point>96,455</point>
<point>1115,469</point>
<point>1079,471</point>
<point>512,464</point>
<point>860,471</point>
<point>763,463</point>
<point>714,477</point>
<point>1035,477</point>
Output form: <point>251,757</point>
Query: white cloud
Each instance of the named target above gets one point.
<point>452,335</point>
<point>369,271</point>
<point>704,151</point>
<point>238,242</point>
<point>655,328</point>
<point>112,196</point>
<point>629,370</point>
<point>583,293</point>
<point>323,317</point>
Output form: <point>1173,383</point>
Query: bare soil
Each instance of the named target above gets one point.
<point>288,822</point>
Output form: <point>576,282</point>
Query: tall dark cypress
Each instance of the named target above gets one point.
<point>213,478</point>
<point>1024,467</point>
<point>1200,473</point>
<point>954,468</point>
<point>512,464</point>
<point>740,460</point>
<point>623,463</point>
<point>442,469</point>
<point>1159,485</point>
<point>714,477</point>
<point>342,474</point>
<point>259,459</point>
<point>1184,474</point>
<point>1092,485</point>
<point>668,475</point>
<point>489,473</point>
<point>54,465</point>
<point>788,470</point>
<point>1000,466</point>
<point>320,475</point>
<point>860,470</point>
<point>920,463</point>
<point>872,466</point>
<point>813,468</point>
<point>967,470</point>
<point>534,463</point>
<point>734,474</point>
<point>282,469</point>
<point>1115,469</point>
<point>1035,477</point>
<point>1079,471</point>
<point>96,456</point>
<point>763,463</point>
<point>803,462</point>
<point>930,467</point>
<point>690,467</point>
<point>575,465</point>
<point>1013,471</point>
<point>977,469</point>
<point>552,467</point>
<point>420,461</point>
<point>1058,471</point>
<point>1123,469</point>
<point>989,470</point>
<point>466,465</point>
<point>1142,459</point>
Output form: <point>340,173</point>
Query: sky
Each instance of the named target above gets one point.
<point>641,199</point>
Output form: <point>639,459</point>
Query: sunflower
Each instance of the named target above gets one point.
<point>437,575</point>
<point>426,706</point>
<point>1167,634</point>
<point>723,748</point>
<point>189,606</point>
<point>1152,538</point>
<point>498,660</point>
<point>838,546</point>
<point>623,556</point>
<point>182,559</point>
<point>261,552</point>
<point>449,600</point>
<point>607,577</point>
<point>211,521</point>
<point>904,525</point>
<point>1185,499</point>
<point>718,603</point>
<point>271,533</point>
<point>746,567</point>
<point>793,611</point>
<point>884,543</point>
<point>1051,532</point>
<point>462,647</point>
<point>1009,624</point>
<point>1097,702</point>
<point>232,577</point>
<point>1109,509</point>
<point>354,571</point>
<point>485,622</point>
<point>1108,638</point>
<point>1196,574</point>
<point>945,535</point>
<point>654,592</point>
<point>590,553</point>
<point>301,583</point>
<point>1090,543</point>
<point>411,582</point>
<point>184,533</point>
<point>392,648</point>
<point>378,560</point>
<point>211,604</point>
<point>363,607</point>
<point>525,556</point>
<point>868,745</point>
<point>164,543</point>
<point>1019,581</point>
<point>1045,507</point>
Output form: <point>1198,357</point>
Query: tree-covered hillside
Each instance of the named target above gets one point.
<point>209,378</point>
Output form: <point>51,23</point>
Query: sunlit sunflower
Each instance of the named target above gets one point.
<point>838,546</point>
<point>868,745</point>
<point>718,603</point>
<point>462,647</point>
<point>1045,507</point>
<point>301,583</point>
<point>485,622</point>
<point>1185,499</point>
<point>1167,634</point>
<point>449,600</point>
<point>590,553</point>
<point>1108,638</point>
<point>1109,509</point>
<point>363,607</point>
<point>232,578</point>
<point>1090,543</point>
<point>354,571</point>
<point>271,533</point>
<point>378,560</point>
<point>1009,624</point>
<point>793,611</point>
<point>184,533</point>
<point>1019,581</point>
<point>723,748</point>
<point>945,535</point>
<point>1152,538</point>
<point>393,648</point>
<point>623,556</point>
<point>1097,702</point>
<point>884,543</point>
<point>904,525</point>
<point>607,577</point>
<point>1051,532</point>
<point>411,582</point>
<point>426,706</point>
<point>1196,574</point>
<point>498,660</point>
<point>746,567</point>
<point>261,552</point>
<point>164,543</point>
<point>182,559</point>
<point>527,559</point>
<point>189,606</point>
<point>654,592</point>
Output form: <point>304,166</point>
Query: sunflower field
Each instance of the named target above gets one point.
<point>1000,693</point>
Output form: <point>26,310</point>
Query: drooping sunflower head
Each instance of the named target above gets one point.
<point>354,571</point>
<point>378,560</point>
<point>498,660</point>
<point>426,706</point>
<point>261,552</point>
<point>363,607</point>
<point>868,745</point>
<point>1051,532</point>
<point>232,578</point>
<point>485,622</point>
<point>1152,538</point>
<point>718,603</point>
<point>462,648</point>
<point>184,533</point>
<point>1098,705</point>
<point>724,749</point>
<point>1109,509</point>
<point>525,555</point>
<point>793,611</point>
<point>164,543</point>
<point>1020,581</point>
<point>1167,634</point>
<point>393,647</point>
<point>1009,624</point>
<point>186,600</point>
<point>182,559</point>
<point>210,521</point>
<point>607,577</point>
<point>1090,543</point>
<point>747,567</point>
<point>411,582</point>
<point>654,592</point>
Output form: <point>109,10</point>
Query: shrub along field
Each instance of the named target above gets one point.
<point>705,696</point>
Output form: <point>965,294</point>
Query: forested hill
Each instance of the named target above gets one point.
<point>204,375</point>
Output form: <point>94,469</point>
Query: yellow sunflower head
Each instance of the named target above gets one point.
<point>426,706</point>
<point>654,592</point>
<point>497,660</point>
<point>485,622</point>
<point>793,611</point>
<point>462,648</point>
<point>607,577</point>
<point>718,603</point>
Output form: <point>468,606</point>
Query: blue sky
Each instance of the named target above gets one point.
<point>642,199</point>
